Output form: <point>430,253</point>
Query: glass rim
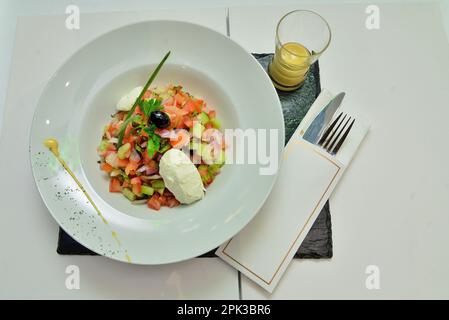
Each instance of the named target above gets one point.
<point>308,11</point>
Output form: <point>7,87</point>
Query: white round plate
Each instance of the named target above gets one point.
<point>77,103</point>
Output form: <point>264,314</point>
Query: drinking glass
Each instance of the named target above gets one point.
<point>301,37</point>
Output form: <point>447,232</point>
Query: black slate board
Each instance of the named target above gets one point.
<point>295,104</point>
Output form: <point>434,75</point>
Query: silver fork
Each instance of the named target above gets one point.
<point>334,136</point>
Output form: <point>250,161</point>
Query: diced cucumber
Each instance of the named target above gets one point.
<point>203,118</point>
<point>123,150</point>
<point>207,178</point>
<point>206,153</point>
<point>158,184</point>
<point>221,159</point>
<point>129,194</point>
<point>103,145</point>
<point>210,156</point>
<point>197,130</point>
<point>214,169</point>
<point>215,123</point>
<point>124,176</point>
<point>147,190</point>
<point>194,145</point>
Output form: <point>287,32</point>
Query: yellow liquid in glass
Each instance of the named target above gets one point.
<point>289,66</point>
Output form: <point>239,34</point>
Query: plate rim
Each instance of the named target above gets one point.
<point>74,53</point>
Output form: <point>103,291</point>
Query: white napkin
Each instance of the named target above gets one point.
<point>308,175</point>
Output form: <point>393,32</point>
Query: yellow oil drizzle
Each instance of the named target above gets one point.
<point>128,258</point>
<point>52,145</point>
<point>114,235</point>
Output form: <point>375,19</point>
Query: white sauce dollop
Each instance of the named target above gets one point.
<point>181,176</point>
<point>127,101</point>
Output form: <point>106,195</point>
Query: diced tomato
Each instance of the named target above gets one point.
<point>125,184</point>
<point>181,124</point>
<point>180,99</point>
<point>131,167</point>
<point>175,110</point>
<point>153,202</point>
<point>114,185</point>
<point>189,106</point>
<point>181,139</point>
<point>169,102</point>
<point>162,200</point>
<point>198,105</point>
<point>138,111</point>
<point>111,129</point>
<point>212,114</point>
<point>129,139</point>
<point>172,202</point>
<point>128,130</point>
<point>147,95</point>
<point>106,167</point>
<point>137,188</point>
<point>209,125</point>
<point>188,122</point>
<point>122,163</point>
<point>176,115</point>
<point>136,180</point>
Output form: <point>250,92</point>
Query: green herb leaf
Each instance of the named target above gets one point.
<point>138,100</point>
<point>150,106</point>
<point>154,141</point>
<point>153,145</point>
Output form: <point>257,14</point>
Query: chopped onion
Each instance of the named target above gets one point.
<point>164,133</point>
<point>153,177</point>
<point>150,171</point>
<point>215,145</point>
<point>143,145</point>
<point>113,140</point>
<point>115,173</point>
<point>142,168</point>
<point>112,160</point>
<point>134,156</point>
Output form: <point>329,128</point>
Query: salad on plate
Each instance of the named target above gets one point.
<point>163,149</point>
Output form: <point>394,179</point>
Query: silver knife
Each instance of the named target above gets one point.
<point>316,128</point>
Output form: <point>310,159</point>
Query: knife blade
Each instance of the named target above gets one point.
<point>316,128</point>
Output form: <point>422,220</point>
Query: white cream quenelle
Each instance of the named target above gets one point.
<point>127,101</point>
<point>181,176</point>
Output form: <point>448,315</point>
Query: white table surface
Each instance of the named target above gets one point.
<point>390,210</point>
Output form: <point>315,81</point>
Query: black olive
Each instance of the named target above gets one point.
<point>160,119</point>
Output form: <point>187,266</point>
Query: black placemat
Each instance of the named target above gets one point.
<point>295,104</point>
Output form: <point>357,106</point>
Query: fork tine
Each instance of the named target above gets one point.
<point>329,130</point>
<point>343,138</point>
<point>329,148</point>
<point>326,143</point>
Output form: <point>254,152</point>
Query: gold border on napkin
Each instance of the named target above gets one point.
<point>328,158</point>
